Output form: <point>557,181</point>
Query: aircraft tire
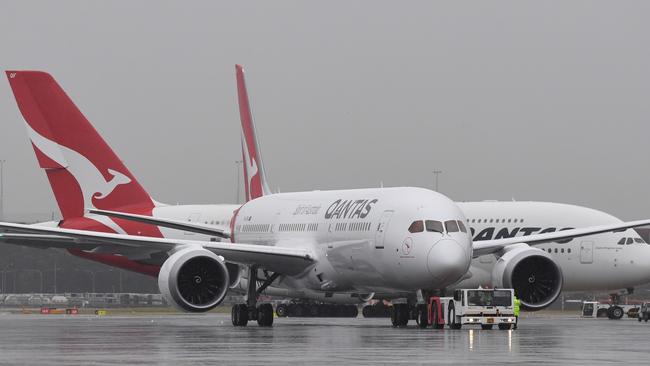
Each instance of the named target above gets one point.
<point>282,310</point>
<point>422,318</point>
<point>265,315</point>
<point>239,315</point>
<point>451,315</point>
<point>399,315</point>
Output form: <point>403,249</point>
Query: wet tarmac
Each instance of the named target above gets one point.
<point>211,339</point>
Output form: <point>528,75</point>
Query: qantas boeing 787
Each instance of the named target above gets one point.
<point>360,241</point>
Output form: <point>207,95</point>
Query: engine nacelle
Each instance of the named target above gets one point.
<point>235,274</point>
<point>194,280</point>
<point>531,272</point>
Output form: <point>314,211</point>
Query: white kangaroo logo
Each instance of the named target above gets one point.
<point>90,179</point>
<point>251,165</point>
<point>118,178</point>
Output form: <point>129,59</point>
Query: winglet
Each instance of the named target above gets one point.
<point>254,175</point>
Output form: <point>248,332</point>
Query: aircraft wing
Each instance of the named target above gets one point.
<point>289,261</point>
<point>172,224</point>
<point>492,246</point>
<point>43,241</point>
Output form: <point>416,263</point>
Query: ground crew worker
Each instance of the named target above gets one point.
<point>516,308</point>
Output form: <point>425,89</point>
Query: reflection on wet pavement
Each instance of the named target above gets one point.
<point>182,339</point>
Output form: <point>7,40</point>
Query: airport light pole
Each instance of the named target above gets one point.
<point>436,173</point>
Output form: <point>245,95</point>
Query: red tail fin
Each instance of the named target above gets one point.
<point>82,169</point>
<point>254,176</point>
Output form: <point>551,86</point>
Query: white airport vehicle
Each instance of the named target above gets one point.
<point>484,307</point>
<point>595,309</point>
<point>393,241</point>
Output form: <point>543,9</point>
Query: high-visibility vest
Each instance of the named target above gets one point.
<point>517,303</point>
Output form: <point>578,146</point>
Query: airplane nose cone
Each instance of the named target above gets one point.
<point>447,261</point>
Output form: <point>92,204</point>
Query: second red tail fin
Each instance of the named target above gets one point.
<point>254,176</point>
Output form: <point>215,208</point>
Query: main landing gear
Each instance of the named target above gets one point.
<point>263,313</point>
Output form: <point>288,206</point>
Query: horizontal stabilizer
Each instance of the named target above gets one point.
<point>172,224</point>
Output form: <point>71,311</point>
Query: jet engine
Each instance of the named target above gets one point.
<point>531,272</point>
<point>235,274</point>
<point>194,279</point>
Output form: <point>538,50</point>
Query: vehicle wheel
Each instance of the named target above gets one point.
<point>422,318</point>
<point>615,312</point>
<point>281,310</point>
<point>505,326</point>
<point>239,315</point>
<point>265,315</point>
<point>451,315</point>
<point>486,326</point>
<point>639,319</point>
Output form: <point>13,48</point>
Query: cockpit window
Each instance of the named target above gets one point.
<point>452,226</point>
<point>629,241</point>
<point>462,226</point>
<point>434,226</point>
<point>639,240</point>
<point>621,242</point>
<point>416,227</point>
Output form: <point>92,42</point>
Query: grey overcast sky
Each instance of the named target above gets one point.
<point>544,100</point>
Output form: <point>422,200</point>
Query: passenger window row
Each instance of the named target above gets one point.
<point>352,226</point>
<point>496,221</point>
<point>451,226</point>
<point>255,228</point>
<point>292,227</point>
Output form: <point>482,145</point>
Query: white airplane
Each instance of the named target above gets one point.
<point>389,240</point>
<point>605,262</point>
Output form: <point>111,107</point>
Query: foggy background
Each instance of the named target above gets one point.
<point>516,100</point>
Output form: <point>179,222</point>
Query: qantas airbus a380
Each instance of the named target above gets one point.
<point>379,240</point>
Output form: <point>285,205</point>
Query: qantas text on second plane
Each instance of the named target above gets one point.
<point>266,234</point>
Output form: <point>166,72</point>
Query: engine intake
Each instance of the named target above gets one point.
<point>194,280</point>
<point>532,273</point>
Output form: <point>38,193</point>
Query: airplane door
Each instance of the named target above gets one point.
<point>587,252</point>
<point>381,228</point>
